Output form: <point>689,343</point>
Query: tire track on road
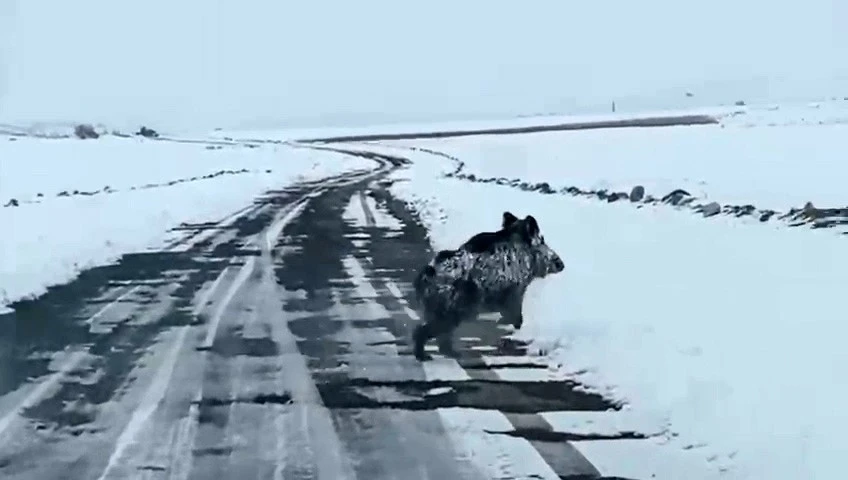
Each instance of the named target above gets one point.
<point>203,441</point>
<point>184,265</point>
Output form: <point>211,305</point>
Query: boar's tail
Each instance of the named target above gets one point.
<point>426,274</point>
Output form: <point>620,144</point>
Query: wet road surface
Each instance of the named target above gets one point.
<point>274,344</point>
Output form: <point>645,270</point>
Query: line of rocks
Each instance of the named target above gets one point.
<point>460,165</point>
<point>808,215</point>
<point>107,189</point>
<point>82,131</point>
<point>85,131</point>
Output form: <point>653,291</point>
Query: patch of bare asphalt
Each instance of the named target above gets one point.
<point>667,121</point>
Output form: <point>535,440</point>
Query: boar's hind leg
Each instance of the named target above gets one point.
<point>422,333</point>
<point>446,347</point>
<point>461,303</point>
<point>441,328</point>
<point>430,327</point>
<point>463,307</point>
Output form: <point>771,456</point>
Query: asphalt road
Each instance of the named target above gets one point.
<point>272,344</point>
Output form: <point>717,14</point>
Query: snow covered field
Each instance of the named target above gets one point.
<point>724,334</point>
<point>153,186</point>
<point>726,330</point>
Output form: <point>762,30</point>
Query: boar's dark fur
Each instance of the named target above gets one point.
<point>490,272</point>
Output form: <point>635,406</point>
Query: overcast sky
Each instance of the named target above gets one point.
<point>198,63</point>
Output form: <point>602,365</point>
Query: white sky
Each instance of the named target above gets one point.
<point>199,63</point>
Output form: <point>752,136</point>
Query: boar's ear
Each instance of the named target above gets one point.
<point>508,220</point>
<point>531,226</point>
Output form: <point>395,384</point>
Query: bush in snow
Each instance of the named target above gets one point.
<point>84,131</point>
<point>147,132</point>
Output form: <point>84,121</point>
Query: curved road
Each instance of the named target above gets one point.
<point>273,344</point>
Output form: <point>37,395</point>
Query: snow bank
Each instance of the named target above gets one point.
<point>31,165</point>
<point>731,331</point>
<point>49,240</point>
<point>740,162</point>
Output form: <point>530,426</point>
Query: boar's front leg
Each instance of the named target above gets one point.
<point>511,310</point>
